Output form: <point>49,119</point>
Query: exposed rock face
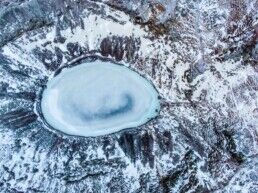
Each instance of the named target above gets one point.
<point>202,58</point>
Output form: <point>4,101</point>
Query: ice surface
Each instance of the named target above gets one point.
<point>98,98</point>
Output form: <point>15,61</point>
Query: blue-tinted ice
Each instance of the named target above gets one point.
<point>98,98</point>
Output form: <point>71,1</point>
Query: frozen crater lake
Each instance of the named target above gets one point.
<point>98,98</point>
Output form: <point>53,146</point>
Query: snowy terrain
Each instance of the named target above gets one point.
<point>200,55</point>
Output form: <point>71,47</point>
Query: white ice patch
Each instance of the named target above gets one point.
<point>98,98</point>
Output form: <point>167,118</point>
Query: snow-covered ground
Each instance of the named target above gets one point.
<point>201,57</point>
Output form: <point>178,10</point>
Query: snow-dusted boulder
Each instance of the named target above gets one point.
<point>98,98</point>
